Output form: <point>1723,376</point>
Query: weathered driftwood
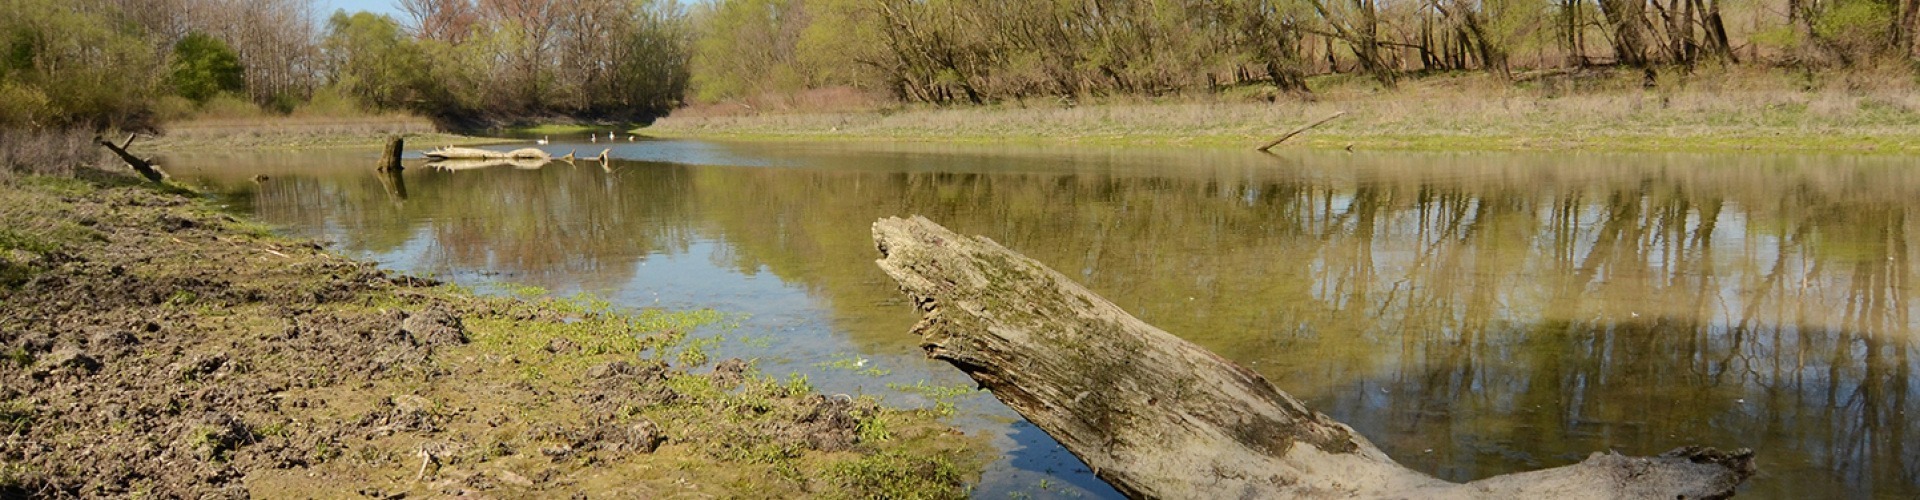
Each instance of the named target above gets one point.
<point>480,163</point>
<point>1302,128</point>
<point>1158,417</point>
<point>570,156</point>
<point>453,153</point>
<point>142,165</point>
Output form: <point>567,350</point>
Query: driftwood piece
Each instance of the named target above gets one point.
<point>453,153</point>
<point>1302,128</point>
<point>143,166</point>
<point>458,164</point>
<point>1159,417</point>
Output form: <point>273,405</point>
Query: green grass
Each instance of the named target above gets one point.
<point>896,475</point>
<point>556,128</point>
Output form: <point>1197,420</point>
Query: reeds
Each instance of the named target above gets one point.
<point>46,152</point>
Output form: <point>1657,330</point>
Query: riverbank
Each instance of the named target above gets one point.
<point>157,347</point>
<point>1725,112</point>
<point>282,132</point>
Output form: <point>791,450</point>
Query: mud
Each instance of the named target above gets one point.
<point>155,347</point>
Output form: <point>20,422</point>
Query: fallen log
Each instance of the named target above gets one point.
<point>457,164</point>
<point>1297,131</point>
<point>453,153</point>
<point>1159,417</point>
<point>142,165</point>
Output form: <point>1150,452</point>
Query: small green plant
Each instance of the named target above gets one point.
<point>16,240</point>
<point>16,417</point>
<point>521,290</point>
<point>276,429</point>
<point>182,298</point>
<point>853,363</point>
<point>20,357</point>
<point>941,395</point>
<point>694,352</point>
<point>898,475</point>
<point>873,429</point>
<point>798,384</point>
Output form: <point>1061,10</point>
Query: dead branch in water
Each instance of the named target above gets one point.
<point>142,165</point>
<point>1303,128</point>
<point>1159,417</point>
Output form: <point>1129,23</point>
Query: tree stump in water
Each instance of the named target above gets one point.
<point>1159,417</point>
<point>390,156</point>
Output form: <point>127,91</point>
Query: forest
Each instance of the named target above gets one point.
<point>943,51</point>
<point>136,64</point>
<point>133,64</point>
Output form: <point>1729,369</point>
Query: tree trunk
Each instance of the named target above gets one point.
<point>1158,417</point>
<point>1716,33</point>
<point>1627,20</point>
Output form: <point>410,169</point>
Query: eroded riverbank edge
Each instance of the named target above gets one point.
<point>157,346</point>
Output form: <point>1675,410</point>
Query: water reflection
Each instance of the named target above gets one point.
<point>1472,313</point>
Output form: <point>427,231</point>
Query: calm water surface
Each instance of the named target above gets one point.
<point>1473,314</point>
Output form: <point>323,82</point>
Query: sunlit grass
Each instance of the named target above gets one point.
<point>1732,110</point>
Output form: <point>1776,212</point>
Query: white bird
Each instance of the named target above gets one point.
<point>610,137</point>
<point>593,138</point>
<point>543,141</point>
<point>630,138</point>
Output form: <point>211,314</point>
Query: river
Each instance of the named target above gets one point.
<point>1472,313</point>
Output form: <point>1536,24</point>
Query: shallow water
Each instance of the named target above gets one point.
<point>1473,314</point>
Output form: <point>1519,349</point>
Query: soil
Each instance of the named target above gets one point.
<point>156,347</point>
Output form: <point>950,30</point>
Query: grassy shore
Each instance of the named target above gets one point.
<point>286,132</point>
<point>157,347</point>
<point>1710,110</point>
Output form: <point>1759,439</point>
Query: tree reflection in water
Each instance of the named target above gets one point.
<point>1473,314</point>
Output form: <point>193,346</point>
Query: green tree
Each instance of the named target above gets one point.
<point>74,63</point>
<point>203,67</point>
<point>373,60</point>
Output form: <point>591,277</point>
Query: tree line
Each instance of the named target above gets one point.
<point>973,51</point>
<point>126,63</point>
<point>131,63</point>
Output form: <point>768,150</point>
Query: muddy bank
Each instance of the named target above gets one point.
<point>153,346</point>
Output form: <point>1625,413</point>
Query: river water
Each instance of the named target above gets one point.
<point>1472,313</point>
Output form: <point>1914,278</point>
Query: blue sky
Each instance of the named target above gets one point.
<point>378,6</point>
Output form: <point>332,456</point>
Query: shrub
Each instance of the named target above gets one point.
<point>204,67</point>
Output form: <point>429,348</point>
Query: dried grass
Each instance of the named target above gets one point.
<point>318,129</point>
<point>46,152</point>
<point>1712,104</point>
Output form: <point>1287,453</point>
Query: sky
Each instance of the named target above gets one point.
<point>377,6</point>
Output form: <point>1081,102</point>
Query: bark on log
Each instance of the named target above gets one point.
<point>390,156</point>
<point>143,166</point>
<point>1303,128</point>
<point>1159,417</point>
